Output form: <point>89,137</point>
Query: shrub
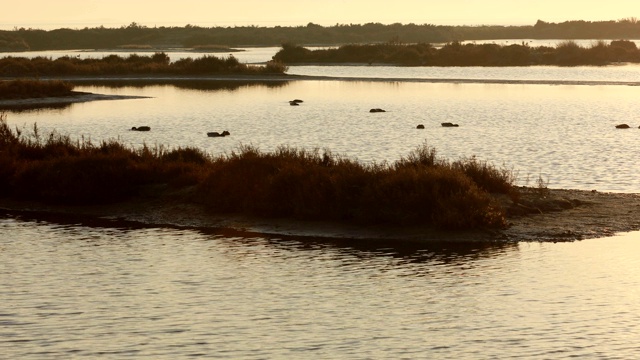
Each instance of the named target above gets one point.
<point>419,189</point>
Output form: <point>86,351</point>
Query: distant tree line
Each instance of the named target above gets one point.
<point>159,63</point>
<point>567,53</point>
<point>311,34</point>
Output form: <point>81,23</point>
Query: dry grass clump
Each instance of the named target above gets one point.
<point>420,189</point>
<point>24,88</point>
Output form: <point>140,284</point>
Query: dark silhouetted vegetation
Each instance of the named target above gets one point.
<point>157,64</point>
<point>9,42</point>
<point>567,53</point>
<point>420,189</point>
<point>24,89</point>
<point>311,34</point>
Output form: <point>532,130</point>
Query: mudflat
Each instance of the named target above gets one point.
<point>538,215</point>
<point>75,97</point>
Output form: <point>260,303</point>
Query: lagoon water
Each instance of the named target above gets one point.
<point>72,289</point>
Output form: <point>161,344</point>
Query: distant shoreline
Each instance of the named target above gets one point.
<point>164,49</point>
<point>79,80</point>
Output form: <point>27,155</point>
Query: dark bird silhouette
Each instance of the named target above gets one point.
<point>217,134</point>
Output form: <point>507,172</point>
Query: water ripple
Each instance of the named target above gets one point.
<point>161,293</point>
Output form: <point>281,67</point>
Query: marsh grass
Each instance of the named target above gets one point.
<point>419,189</point>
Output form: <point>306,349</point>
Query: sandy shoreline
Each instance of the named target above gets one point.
<point>560,215</point>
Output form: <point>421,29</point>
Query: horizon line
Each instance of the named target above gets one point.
<point>226,24</point>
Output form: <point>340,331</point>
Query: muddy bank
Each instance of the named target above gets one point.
<point>572,215</point>
<point>75,97</point>
<point>553,215</point>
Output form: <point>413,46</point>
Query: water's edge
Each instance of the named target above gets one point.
<point>558,215</point>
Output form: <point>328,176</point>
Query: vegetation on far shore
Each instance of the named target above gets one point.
<point>156,64</point>
<point>567,53</point>
<point>420,189</point>
<point>21,39</point>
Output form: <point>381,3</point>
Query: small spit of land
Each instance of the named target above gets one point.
<point>560,215</point>
<point>24,94</point>
<point>297,192</point>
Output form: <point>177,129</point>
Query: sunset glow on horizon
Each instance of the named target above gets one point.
<point>117,13</point>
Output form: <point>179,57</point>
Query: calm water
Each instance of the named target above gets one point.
<point>74,291</point>
<point>69,289</point>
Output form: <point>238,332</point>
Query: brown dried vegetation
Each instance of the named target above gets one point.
<point>288,182</point>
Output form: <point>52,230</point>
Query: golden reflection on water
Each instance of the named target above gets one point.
<point>165,293</point>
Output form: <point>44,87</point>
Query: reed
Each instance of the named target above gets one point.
<point>288,182</point>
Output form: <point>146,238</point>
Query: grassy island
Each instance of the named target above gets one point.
<point>567,53</point>
<point>156,64</point>
<point>287,183</point>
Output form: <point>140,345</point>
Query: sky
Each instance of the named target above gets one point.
<point>77,14</point>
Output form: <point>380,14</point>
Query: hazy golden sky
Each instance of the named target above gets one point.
<point>48,14</point>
